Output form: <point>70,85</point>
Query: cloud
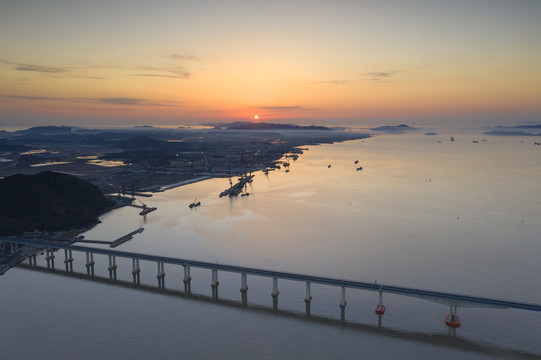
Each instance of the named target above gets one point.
<point>184,57</point>
<point>130,101</point>
<point>109,100</point>
<point>284,108</point>
<point>122,101</point>
<point>78,71</point>
<point>32,97</point>
<point>178,72</point>
<point>335,82</point>
<point>38,68</point>
<point>164,76</point>
<point>33,68</point>
<point>380,75</point>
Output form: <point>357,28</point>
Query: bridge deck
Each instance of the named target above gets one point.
<point>450,298</point>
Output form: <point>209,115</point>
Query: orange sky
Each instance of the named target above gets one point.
<point>343,62</point>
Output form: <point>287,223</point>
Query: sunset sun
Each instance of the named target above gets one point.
<point>256,117</point>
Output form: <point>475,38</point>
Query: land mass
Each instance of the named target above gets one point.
<point>397,129</point>
<point>147,158</point>
<point>245,125</point>
<point>49,201</point>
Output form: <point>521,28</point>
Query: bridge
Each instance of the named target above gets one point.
<point>451,299</point>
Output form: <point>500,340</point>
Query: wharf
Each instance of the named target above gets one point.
<point>121,240</point>
<point>236,189</point>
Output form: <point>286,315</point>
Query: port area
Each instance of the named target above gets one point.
<point>237,188</point>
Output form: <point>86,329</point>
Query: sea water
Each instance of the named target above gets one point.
<point>424,211</point>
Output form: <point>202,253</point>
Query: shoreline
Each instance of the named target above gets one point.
<point>181,183</point>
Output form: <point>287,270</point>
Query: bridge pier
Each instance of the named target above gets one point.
<point>380,308</point>
<point>136,271</point>
<point>343,304</point>
<point>50,258</point>
<point>32,260</point>
<point>308,298</point>
<point>68,260</point>
<point>275,293</point>
<point>112,267</point>
<point>187,280</point>
<point>244,288</point>
<point>90,263</point>
<point>161,275</point>
<point>452,320</point>
<point>214,283</point>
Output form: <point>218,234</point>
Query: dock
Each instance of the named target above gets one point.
<point>121,240</point>
<point>236,189</point>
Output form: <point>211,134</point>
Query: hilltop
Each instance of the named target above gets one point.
<point>49,201</point>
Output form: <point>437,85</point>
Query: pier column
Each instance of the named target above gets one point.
<point>90,263</point>
<point>161,275</point>
<point>32,260</point>
<point>187,280</point>
<point>343,304</point>
<point>112,267</point>
<point>136,271</point>
<point>275,293</point>
<point>380,308</point>
<point>244,288</point>
<point>50,258</point>
<point>68,260</point>
<point>214,283</point>
<point>308,298</point>
<point>452,320</point>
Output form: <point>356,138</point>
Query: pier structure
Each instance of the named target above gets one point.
<point>452,320</point>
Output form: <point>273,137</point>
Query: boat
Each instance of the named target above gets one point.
<point>356,161</point>
<point>329,166</point>
<point>194,204</point>
<point>245,194</point>
<point>359,168</point>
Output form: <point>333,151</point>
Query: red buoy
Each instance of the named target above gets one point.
<point>380,309</point>
<point>452,320</point>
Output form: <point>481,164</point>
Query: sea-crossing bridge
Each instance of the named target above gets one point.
<point>451,299</point>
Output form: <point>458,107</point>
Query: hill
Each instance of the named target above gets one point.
<point>49,201</point>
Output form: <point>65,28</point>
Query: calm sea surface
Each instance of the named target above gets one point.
<point>451,216</point>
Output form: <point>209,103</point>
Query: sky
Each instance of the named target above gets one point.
<point>162,62</point>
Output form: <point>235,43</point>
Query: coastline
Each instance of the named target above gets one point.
<point>182,183</point>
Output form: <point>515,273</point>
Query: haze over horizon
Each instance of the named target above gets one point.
<point>306,62</point>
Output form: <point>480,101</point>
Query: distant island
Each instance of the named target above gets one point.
<point>510,133</point>
<point>49,201</point>
<point>518,130</point>
<point>397,129</point>
<point>245,125</point>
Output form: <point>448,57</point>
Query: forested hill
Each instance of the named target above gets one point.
<point>49,201</point>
